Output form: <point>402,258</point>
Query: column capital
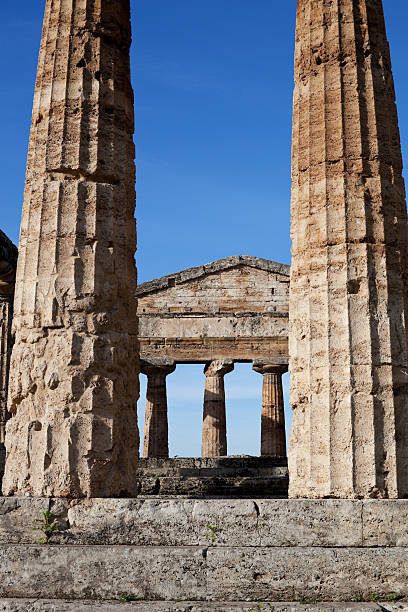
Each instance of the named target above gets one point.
<point>218,367</point>
<point>159,367</point>
<point>269,367</point>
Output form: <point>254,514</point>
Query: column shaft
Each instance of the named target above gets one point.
<point>348,289</point>
<point>214,442</point>
<point>74,374</point>
<point>273,435</point>
<point>6,315</point>
<point>156,430</point>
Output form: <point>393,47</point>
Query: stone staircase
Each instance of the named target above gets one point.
<point>157,554</point>
<point>233,476</point>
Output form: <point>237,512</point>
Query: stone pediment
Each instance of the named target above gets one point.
<point>215,267</point>
<point>235,307</point>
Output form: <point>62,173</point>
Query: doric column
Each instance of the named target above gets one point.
<point>348,289</point>
<point>156,429</point>
<point>74,374</point>
<point>214,442</point>
<point>273,434</point>
<point>8,263</point>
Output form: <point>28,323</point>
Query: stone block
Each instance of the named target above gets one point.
<point>328,522</point>
<point>18,516</point>
<point>216,574</point>
<point>42,605</point>
<point>299,574</point>
<point>385,522</point>
<point>102,572</point>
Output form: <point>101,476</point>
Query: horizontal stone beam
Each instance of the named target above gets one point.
<point>39,605</point>
<point>206,573</point>
<point>201,350</point>
<point>184,522</point>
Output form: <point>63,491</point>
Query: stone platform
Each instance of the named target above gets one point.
<point>239,476</point>
<point>217,554</point>
<point>43,605</point>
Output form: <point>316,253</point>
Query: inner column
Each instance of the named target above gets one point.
<point>156,429</point>
<point>273,433</point>
<point>214,418</point>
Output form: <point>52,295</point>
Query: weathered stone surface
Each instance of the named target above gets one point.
<point>156,429</point>
<point>102,572</point>
<point>385,524</point>
<point>234,308</point>
<point>184,522</point>
<point>214,442</point>
<point>348,289</point>
<point>8,264</point>
<point>310,522</point>
<point>273,432</point>
<point>208,574</point>
<point>234,476</point>
<point>316,574</point>
<point>18,516</point>
<point>74,373</point>
<point>28,605</point>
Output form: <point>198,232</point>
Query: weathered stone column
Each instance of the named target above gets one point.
<point>74,373</point>
<point>156,428</point>
<point>273,433</point>
<point>348,291</point>
<point>214,442</point>
<point>8,264</point>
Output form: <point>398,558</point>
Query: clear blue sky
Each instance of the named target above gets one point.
<point>213,90</point>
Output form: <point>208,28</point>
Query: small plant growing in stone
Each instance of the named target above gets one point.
<point>393,597</point>
<point>126,597</point>
<point>211,534</point>
<point>373,597</point>
<point>47,525</point>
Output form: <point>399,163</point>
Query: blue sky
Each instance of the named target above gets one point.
<point>213,86</point>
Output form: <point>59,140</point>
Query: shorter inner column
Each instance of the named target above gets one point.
<point>214,442</point>
<point>156,429</point>
<point>273,433</point>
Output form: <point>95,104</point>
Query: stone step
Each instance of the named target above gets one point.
<point>214,574</point>
<point>240,476</point>
<point>221,486</point>
<point>189,522</point>
<point>48,605</point>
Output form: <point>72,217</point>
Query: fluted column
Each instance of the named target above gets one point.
<point>273,433</point>
<point>8,263</point>
<point>348,289</point>
<point>156,429</point>
<point>214,418</point>
<point>74,374</point>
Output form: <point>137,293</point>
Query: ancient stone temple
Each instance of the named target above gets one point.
<point>74,373</point>
<point>233,310</point>
<point>8,263</point>
<point>348,292</point>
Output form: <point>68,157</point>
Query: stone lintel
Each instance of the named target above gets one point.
<point>202,350</point>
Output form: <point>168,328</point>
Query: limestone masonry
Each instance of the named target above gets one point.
<point>231,310</point>
<point>73,382</point>
<point>348,290</point>
<point>216,532</point>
